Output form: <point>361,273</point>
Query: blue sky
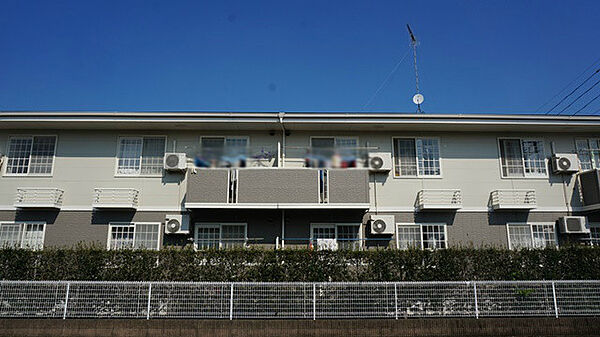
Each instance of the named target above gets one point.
<point>474,56</point>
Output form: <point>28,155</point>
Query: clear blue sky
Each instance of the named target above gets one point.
<point>474,56</point>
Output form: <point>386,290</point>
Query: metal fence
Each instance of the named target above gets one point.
<point>397,300</point>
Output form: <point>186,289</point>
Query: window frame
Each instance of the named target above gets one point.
<point>335,225</point>
<point>587,140</point>
<point>421,241</point>
<point>525,176</point>
<point>5,169</point>
<point>133,224</point>
<point>23,224</point>
<point>220,226</point>
<point>417,176</point>
<point>140,175</point>
<point>595,225</point>
<point>531,224</point>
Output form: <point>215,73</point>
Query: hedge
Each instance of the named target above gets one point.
<point>88,263</point>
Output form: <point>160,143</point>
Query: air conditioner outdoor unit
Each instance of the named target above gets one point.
<point>383,224</point>
<point>175,162</point>
<point>565,163</point>
<point>573,225</point>
<point>177,224</point>
<point>380,161</point>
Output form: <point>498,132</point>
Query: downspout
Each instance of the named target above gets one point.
<point>283,131</point>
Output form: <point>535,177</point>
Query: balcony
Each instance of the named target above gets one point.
<point>277,188</point>
<point>448,199</point>
<point>126,198</point>
<point>513,199</point>
<point>589,190</point>
<point>39,198</point>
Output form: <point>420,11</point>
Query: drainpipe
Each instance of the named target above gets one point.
<point>281,116</point>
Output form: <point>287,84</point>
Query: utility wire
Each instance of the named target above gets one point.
<point>588,103</point>
<point>572,92</point>
<point>568,85</point>
<point>578,97</point>
<point>386,80</point>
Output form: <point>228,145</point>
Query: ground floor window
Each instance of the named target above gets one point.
<point>335,236</point>
<point>134,236</point>
<point>535,235</point>
<point>27,235</point>
<point>423,236</point>
<point>220,235</point>
<point>595,234</point>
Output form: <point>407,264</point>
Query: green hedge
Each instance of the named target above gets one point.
<point>84,263</point>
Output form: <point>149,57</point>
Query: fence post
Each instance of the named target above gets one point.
<point>554,297</point>
<point>231,303</point>
<point>314,301</point>
<point>476,304</point>
<point>396,299</point>
<point>149,297</point>
<point>66,300</point>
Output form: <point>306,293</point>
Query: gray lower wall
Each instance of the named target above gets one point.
<point>348,186</point>
<point>207,186</point>
<point>278,186</point>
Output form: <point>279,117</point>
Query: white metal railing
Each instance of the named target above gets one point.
<point>513,199</point>
<point>219,300</point>
<point>439,199</point>
<point>115,198</point>
<point>39,197</point>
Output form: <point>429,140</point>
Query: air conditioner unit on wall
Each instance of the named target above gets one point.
<point>383,224</point>
<point>573,225</point>
<point>177,224</point>
<point>380,161</point>
<point>175,161</point>
<point>565,163</point>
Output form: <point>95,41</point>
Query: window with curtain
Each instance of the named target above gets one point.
<point>417,157</point>
<point>141,156</point>
<point>522,158</point>
<point>30,155</point>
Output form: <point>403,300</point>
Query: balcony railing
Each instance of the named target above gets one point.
<point>439,199</point>
<point>39,197</point>
<point>513,199</point>
<point>115,198</point>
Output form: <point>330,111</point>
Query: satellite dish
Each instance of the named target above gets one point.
<point>418,99</point>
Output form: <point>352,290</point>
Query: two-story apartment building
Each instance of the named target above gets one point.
<point>294,179</point>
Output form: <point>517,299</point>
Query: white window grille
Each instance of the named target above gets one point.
<point>595,234</point>
<point>220,235</point>
<point>134,236</point>
<point>22,235</point>
<point>141,156</point>
<point>588,151</point>
<point>347,236</point>
<point>535,235</point>
<point>417,157</point>
<point>522,158</point>
<point>424,236</point>
<point>31,155</point>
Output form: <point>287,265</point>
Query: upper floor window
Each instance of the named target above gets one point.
<point>223,151</point>
<point>338,152</point>
<point>344,236</point>
<point>220,235</point>
<point>531,236</point>
<point>141,156</point>
<point>417,157</point>
<point>588,151</point>
<point>22,235</point>
<point>31,155</point>
<point>522,157</point>
<point>423,236</point>
<point>133,236</point>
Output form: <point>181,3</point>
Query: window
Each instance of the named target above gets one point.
<point>31,155</point>
<point>216,148</point>
<point>595,234</point>
<point>424,236</point>
<point>347,236</point>
<point>531,236</point>
<point>22,235</point>
<point>134,236</point>
<point>588,151</point>
<point>417,157</point>
<point>522,158</point>
<point>141,156</point>
<point>220,235</point>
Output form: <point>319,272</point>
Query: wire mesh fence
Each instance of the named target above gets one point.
<point>219,300</point>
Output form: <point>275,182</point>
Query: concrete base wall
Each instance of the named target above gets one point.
<point>465,327</point>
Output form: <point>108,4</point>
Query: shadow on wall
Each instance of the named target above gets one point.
<point>47,216</point>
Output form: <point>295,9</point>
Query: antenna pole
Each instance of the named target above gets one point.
<point>413,42</point>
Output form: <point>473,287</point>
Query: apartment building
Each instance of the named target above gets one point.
<point>319,180</point>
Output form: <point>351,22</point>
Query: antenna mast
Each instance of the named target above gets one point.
<point>417,98</point>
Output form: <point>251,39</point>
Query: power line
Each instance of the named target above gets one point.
<point>588,103</point>
<point>571,93</point>
<point>578,97</point>
<point>385,81</point>
<point>568,85</point>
